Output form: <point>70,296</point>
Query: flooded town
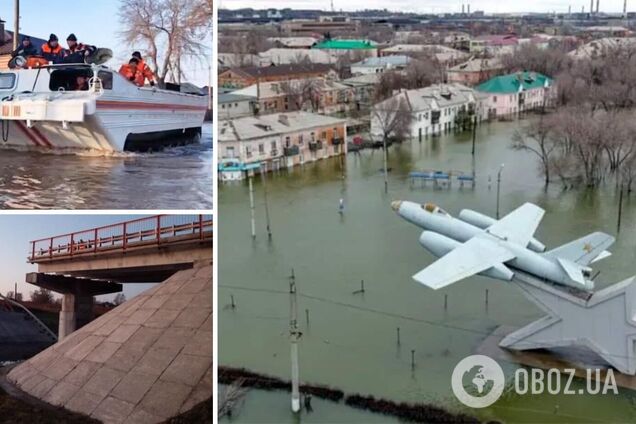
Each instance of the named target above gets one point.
<point>515,124</point>
<point>106,127</point>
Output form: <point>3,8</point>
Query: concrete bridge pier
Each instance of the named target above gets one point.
<point>77,297</point>
<point>77,311</point>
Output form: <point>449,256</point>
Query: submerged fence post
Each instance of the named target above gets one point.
<point>445,301</point>
<point>398,336</point>
<point>412,358</point>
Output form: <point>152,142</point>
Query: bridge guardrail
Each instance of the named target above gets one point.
<point>155,230</point>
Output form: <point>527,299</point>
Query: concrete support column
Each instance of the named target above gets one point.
<point>83,310</point>
<point>67,316</point>
<point>77,311</point>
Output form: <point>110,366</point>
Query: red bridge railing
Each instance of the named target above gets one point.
<point>156,230</point>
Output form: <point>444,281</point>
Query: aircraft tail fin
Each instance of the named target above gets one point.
<point>585,250</point>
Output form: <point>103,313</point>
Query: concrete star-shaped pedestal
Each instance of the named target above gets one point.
<point>604,322</point>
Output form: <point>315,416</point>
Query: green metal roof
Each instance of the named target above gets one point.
<point>344,44</point>
<point>510,83</point>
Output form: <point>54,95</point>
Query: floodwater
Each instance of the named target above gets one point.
<point>276,406</point>
<point>175,178</point>
<point>350,340</point>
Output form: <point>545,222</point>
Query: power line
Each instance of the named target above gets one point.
<point>376,311</point>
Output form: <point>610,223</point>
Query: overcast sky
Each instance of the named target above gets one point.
<point>434,6</point>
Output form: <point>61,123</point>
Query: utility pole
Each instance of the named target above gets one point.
<point>620,210</point>
<point>294,335</point>
<point>386,171</point>
<point>16,23</point>
<point>252,207</point>
<point>474,132</point>
<point>15,291</point>
<point>499,187</point>
<point>264,179</point>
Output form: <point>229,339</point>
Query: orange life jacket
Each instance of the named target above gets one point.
<point>129,73</point>
<point>144,72</point>
<point>49,50</point>
<point>36,62</point>
<point>78,47</point>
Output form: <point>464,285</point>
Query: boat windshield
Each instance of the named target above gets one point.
<point>76,79</point>
<point>7,81</point>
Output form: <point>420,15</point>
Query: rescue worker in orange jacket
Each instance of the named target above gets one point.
<point>145,73</point>
<point>76,52</point>
<point>130,71</point>
<point>51,50</point>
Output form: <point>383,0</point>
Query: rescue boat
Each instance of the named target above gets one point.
<point>41,110</point>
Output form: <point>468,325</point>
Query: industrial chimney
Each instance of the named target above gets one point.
<point>462,8</point>
<point>597,4</point>
<point>469,8</point>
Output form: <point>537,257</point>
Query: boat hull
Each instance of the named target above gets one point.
<point>113,117</point>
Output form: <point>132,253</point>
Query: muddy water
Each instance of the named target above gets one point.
<point>176,178</point>
<point>350,340</point>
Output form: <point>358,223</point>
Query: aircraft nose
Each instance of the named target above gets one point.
<point>395,205</point>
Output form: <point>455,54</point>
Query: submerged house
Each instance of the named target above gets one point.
<point>509,95</point>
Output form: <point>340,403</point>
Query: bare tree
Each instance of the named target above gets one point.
<point>389,82</point>
<point>422,71</point>
<point>168,31</point>
<point>42,296</point>
<point>392,118</point>
<point>305,93</point>
<point>537,138</point>
<point>232,397</point>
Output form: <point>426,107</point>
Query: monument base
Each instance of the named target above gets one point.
<point>579,359</point>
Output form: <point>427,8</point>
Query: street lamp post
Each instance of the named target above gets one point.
<point>499,187</point>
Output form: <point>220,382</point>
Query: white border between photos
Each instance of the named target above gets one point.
<point>215,186</point>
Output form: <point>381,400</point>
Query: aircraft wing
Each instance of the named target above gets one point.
<point>474,256</point>
<point>519,225</point>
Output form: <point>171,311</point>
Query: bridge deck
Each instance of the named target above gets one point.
<point>150,232</point>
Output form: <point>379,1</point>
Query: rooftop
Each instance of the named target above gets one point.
<point>438,96</point>
<point>280,56</point>
<point>477,65</point>
<point>279,88</point>
<point>231,97</point>
<point>384,61</point>
<point>281,70</point>
<point>254,127</point>
<point>513,83</point>
<point>345,45</point>
<point>294,41</point>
